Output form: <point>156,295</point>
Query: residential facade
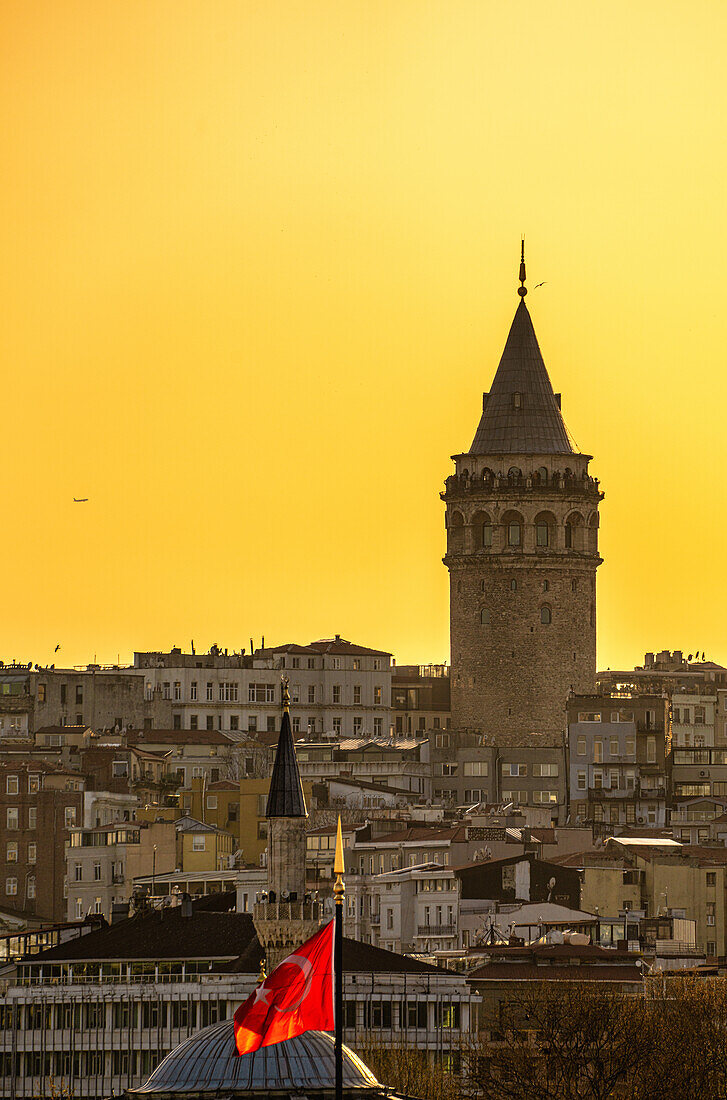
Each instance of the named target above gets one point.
<point>618,747</point>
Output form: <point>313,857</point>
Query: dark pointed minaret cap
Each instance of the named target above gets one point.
<point>286,798</point>
<point>522,289</point>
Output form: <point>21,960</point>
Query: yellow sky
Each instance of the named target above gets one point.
<point>258,262</point>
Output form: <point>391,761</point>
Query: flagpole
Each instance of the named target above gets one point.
<point>339,889</point>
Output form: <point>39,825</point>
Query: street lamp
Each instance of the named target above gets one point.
<point>153,870</point>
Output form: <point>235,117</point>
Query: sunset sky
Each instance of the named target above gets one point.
<point>258,262</point>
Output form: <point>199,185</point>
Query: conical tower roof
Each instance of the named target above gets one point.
<point>521,413</point>
<point>286,798</point>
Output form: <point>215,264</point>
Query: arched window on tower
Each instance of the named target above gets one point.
<point>456,533</point>
<point>546,615</point>
<point>485,617</point>
<point>544,530</point>
<point>482,531</point>
<point>574,531</point>
<point>593,533</point>
<point>517,400</point>
<point>513,525</point>
<point>541,475</point>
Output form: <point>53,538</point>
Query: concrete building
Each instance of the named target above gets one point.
<point>698,773</point>
<point>338,688</point>
<point>522,553</point>
<point>618,747</point>
<point>103,861</point>
<point>39,806</point>
<point>693,719</point>
<point>420,698</point>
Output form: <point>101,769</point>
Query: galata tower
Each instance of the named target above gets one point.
<point>522,553</point>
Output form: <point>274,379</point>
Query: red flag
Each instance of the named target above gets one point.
<point>296,997</point>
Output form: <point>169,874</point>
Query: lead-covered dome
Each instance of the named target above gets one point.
<point>208,1063</point>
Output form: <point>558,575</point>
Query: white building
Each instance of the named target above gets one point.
<point>337,688</point>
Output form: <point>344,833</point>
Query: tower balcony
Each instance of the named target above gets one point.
<point>461,485</point>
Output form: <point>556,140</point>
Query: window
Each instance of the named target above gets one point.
<point>441,740</point>
<point>546,615</point>
<point>167,691</point>
<point>11,852</point>
<point>296,725</point>
<point>11,784</point>
<point>476,767</point>
<point>12,817</point>
<point>598,779</point>
<point>11,886</point>
<point>336,693</point>
<point>513,585</point>
<point>97,871</point>
<point>378,726</point>
<point>357,726</point>
<point>711,912</point>
<point>447,769</point>
<point>485,617</point>
<point>515,769</point>
<point>41,693</point>
<point>193,691</point>
<point>119,769</point>
<point>581,746</point>
<point>70,816</point>
<point>650,750</point>
<point>32,852</point>
<point>377,664</point>
<point>545,796</point>
<point>589,716</point>
<point>337,726</point>
<point>630,746</point>
<point>541,534</point>
<point>79,695</point>
<point>33,784</point>
<point>176,721</point>
<point>177,691</point>
<point>194,721</point>
<point>598,751</point>
<point>31,886</point>
<point>78,872</point>
<point>32,817</point>
<point>228,692</point>
<point>377,696</point>
<point>711,878</point>
<point>210,722</point>
<point>545,770</point>
<point>311,693</point>
<point>581,780</point>
<point>311,724</point>
<point>198,844</point>
<point>357,695</point>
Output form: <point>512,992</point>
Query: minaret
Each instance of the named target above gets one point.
<point>285,920</point>
<point>522,554</point>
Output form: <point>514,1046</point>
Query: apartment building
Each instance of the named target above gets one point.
<point>420,698</point>
<point>693,719</point>
<point>337,688</point>
<point>39,806</point>
<point>412,909</point>
<point>103,861</point>
<point>698,773</point>
<point>618,747</point>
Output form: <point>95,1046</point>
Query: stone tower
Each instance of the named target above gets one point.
<point>287,917</point>
<point>522,554</point>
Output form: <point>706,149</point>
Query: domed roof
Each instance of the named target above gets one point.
<point>208,1063</point>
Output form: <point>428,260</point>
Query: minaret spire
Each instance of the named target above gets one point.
<point>522,289</point>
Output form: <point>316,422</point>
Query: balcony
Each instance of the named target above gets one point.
<point>437,930</point>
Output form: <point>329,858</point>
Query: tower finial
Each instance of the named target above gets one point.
<point>285,693</point>
<point>522,289</point>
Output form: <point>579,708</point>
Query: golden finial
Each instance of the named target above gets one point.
<point>262,975</point>
<point>522,289</point>
<point>339,866</point>
<point>286,694</point>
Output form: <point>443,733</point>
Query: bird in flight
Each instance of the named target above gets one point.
<point>57,648</point>
<point>537,285</point>
<point>80,500</point>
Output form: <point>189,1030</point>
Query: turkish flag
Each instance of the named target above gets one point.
<point>296,997</point>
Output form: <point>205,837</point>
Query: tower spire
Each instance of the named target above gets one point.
<point>522,289</point>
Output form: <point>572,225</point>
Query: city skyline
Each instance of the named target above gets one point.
<point>259,269</point>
